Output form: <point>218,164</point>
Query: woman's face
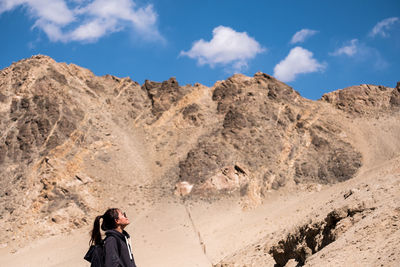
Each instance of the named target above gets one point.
<point>122,219</point>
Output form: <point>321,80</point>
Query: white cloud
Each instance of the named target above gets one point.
<point>227,48</point>
<point>362,54</point>
<point>52,30</point>
<point>298,61</point>
<point>55,12</point>
<point>381,27</point>
<point>302,35</point>
<point>87,20</point>
<point>350,50</point>
<point>92,30</point>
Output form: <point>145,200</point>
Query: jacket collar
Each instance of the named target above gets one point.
<point>117,234</point>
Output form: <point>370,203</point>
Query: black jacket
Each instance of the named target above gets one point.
<point>118,255</point>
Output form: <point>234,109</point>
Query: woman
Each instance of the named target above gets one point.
<point>117,246</point>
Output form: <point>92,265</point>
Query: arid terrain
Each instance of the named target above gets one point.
<point>244,173</point>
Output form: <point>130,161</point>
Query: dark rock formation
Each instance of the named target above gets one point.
<point>395,97</point>
<point>265,127</point>
<point>163,95</point>
<point>311,238</point>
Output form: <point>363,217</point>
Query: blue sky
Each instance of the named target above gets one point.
<point>314,46</point>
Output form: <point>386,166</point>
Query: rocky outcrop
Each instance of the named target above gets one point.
<point>163,95</point>
<point>395,96</point>
<point>311,238</point>
<point>268,128</point>
<point>364,99</point>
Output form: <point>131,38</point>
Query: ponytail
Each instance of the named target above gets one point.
<point>109,223</point>
<point>95,234</point>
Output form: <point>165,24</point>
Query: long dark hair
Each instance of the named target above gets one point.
<point>108,223</point>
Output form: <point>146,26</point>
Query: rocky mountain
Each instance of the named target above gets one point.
<point>72,143</point>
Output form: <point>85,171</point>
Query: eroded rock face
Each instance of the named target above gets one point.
<point>163,95</point>
<point>68,138</point>
<point>268,128</point>
<point>395,96</point>
<point>364,99</point>
<point>311,238</point>
<point>44,133</point>
<point>249,125</point>
<point>328,159</point>
<point>42,123</point>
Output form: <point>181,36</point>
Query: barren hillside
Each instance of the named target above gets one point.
<point>244,173</point>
